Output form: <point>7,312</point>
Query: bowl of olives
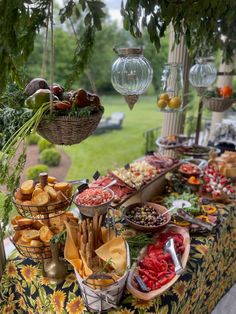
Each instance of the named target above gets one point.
<point>146,216</point>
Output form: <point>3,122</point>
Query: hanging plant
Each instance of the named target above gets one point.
<point>62,117</point>
<point>219,99</point>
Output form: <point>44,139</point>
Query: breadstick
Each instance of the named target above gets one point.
<point>88,225</point>
<point>91,242</point>
<point>89,261</point>
<point>79,239</point>
<point>88,255</point>
<point>99,229</point>
<point>80,228</point>
<point>83,246</point>
<point>85,231</point>
<point>95,228</point>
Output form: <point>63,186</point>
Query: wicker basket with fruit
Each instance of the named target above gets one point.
<point>220,99</point>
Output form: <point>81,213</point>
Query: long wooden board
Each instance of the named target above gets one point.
<point>145,186</point>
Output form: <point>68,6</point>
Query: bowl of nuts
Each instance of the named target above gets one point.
<point>146,217</point>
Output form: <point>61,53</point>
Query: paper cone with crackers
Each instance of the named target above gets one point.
<point>100,260</point>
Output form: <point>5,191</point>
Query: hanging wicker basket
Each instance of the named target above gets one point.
<point>218,104</point>
<point>66,130</point>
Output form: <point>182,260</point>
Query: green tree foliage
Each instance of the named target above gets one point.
<point>64,50</point>
<point>202,23</point>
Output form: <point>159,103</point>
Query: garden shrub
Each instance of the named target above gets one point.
<point>50,157</point>
<point>33,139</point>
<point>32,173</point>
<point>44,144</point>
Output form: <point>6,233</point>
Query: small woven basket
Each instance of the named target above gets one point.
<point>42,212</point>
<point>218,104</point>
<point>66,130</point>
<point>36,253</point>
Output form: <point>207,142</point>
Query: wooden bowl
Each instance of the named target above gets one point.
<point>187,174</point>
<point>160,209</point>
<point>154,293</point>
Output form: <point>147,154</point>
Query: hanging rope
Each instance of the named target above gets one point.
<point>45,48</point>
<point>51,74</point>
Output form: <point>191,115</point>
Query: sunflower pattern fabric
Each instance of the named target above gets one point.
<point>209,275</point>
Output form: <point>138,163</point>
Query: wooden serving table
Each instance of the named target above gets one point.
<point>209,275</point>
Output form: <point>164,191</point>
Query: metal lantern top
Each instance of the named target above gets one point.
<point>131,73</point>
<point>203,73</point>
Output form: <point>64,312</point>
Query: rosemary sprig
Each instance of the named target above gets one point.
<point>137,242</point>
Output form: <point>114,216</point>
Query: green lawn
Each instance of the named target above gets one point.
<point>117,147</point>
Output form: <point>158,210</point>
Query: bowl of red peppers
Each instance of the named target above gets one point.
<point>93,200</point>
<point>155,266</point>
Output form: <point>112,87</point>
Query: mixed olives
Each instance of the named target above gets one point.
<point>145,216</point>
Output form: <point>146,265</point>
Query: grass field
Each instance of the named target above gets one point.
<point>117,147</point>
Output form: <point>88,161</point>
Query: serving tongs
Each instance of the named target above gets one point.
<point>170,248</point>
<point>186,216</point>
<point>81,181</point>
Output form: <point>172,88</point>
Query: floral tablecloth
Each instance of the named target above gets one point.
<point>209,275</point>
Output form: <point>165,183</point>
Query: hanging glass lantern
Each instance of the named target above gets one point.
<point>171,96</point>
<point>131,74</point>
<point>202,74</point>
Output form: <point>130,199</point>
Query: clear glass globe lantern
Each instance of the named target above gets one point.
<point>203,74</point>
<point>131,74</point>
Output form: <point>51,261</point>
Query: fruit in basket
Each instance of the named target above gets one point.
<point>165,97</point>
<point>225,91</point>
<point>175,102</point>
<point>62,105</point>
<point>162,103</point>
<point>40,97</point>
<point>57,89</point>
<point>27,187</point>
<point>82,98</point>
<point>36,84</point>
